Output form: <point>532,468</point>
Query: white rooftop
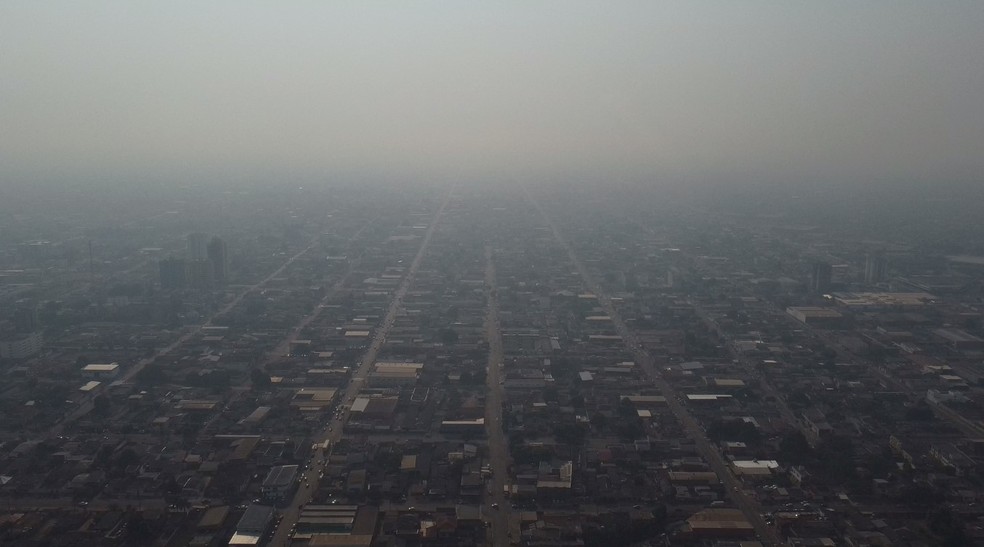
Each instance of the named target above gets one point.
<point>101,367</point>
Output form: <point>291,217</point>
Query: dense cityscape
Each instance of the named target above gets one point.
<point>564,273</point>
<point>454,366</point>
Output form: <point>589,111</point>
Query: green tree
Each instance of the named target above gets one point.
<point>152,375</point>
<point>138,529</point>
<point>259,378</point>
<point>449,337</point>
<point>948,526</point>
<point>919,413</point>
<point>571,434</point>
<point>794,448</point>
<point>101,404</point>
<point>734,430</point>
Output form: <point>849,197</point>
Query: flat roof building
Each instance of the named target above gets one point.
<point>720,523</point>
<point>313,399</point>
<point>252,525</point>
<point>812,315</point>
<point>101,370</point>
<point>279,482</point>
<point>645,400</point>
<point>884,299</point>
<point>960,340</point>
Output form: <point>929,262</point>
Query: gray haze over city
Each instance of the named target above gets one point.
<point>667,92</point>
<point>538,274</point>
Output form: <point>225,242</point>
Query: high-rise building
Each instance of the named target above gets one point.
<point>199,274</point>
<point>821,277</point>
<point>874,268</point>
<point>35,251</point>
<point>218,256</point>
<point>20,346</point>
<point>196,246</point>
<point>21,337</point>
<point>173,273</point>
<point>25,317</point>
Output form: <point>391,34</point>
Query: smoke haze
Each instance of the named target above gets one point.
<point>726,92</point>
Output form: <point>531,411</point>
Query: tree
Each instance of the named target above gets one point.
<point>836,458</point>
<point>259,379</point>
<point>919,494</point>
<point>127,457</point>
<point>449,337</point>
<point>733,430</point>
<point>52,395</point>
<point>516,438</point>
<point>388,460</point>
<point>798,398</point>
<point>101,404</point>
<point>561,368</point>
<point>138,529</point>
<point>794,448</point>
<point>630,428</point>
<point>152,375</point>
<point>948,526</point>
<point>617,529</point>
<point>103,456</point>
<point>577,401</point>
<point>919,413</point>
<point>626,409</point>
<point>571,434</point>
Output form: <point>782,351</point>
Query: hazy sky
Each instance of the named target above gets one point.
<point>192,91</point>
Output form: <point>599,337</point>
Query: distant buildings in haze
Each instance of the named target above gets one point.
<point>875,265</point>
<point>206,264</point>
<point>821,277</point>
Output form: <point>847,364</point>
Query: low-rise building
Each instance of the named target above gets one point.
<point>101,370</point>
<point>279,482</point>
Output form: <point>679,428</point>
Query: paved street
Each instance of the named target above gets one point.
<point>132,371</point>
<point>707,450</point>
<point>310,479</point>
<point>498,444</point>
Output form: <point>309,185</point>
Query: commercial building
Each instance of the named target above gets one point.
<point>196,246</point>
<point>21,346</point>
<point>199,273</point>
<point>214,518</point>
<point>326,519</point>
<point>313,399</point>
<point>386,374</point>
<point>173,273</point>
<point>960,340</point>
<point>218,257</point>
<point>279,482</point>
<point>719,523</point>
<point>813,315</point>
<point>101,370</point>
<point>821,277</point>
<point>464,427</point>
<point>875,266</point>
<point>884,300</point>
<point>252,526</point>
